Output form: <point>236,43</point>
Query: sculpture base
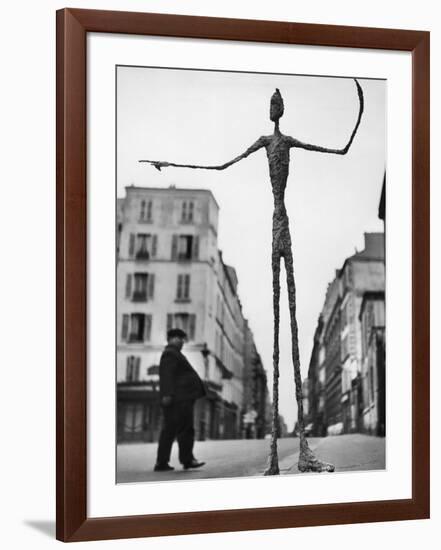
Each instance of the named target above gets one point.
<point>272,471</point>
<point>309,463</point>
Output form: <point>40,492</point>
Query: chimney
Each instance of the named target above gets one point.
<point>374,244</point>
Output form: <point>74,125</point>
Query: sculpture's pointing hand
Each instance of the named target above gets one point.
<point>159,165</point>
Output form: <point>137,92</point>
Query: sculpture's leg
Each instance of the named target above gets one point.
<point>307,461</point>
<point>273,462</point>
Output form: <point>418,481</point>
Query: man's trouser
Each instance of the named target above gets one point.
<point>177,422</point>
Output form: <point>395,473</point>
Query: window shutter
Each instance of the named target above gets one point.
<point>128,369</point>
<point>129,285</point>
<point>154,245</point>
<point>174,250</point>
<point>169,321</point>
<point>125,327</point>
<point>137,368</point>
<point>192,327</point>
<point>179,288</point>
<point>187,286</point>
<point>151,284</point>
<point>195,247</point>
<point>148,327</point>
<point>131,244</point>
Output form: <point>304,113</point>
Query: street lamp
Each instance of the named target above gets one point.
<point>205,353</point>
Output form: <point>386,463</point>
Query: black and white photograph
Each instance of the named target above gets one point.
<point>229,213</point>
<point>250,274</point>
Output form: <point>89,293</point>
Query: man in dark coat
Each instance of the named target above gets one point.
<point>179,387</point>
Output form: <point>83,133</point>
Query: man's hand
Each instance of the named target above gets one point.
<point>166,400</point>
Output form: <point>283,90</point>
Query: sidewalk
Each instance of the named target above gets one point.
<point>224,459</point>
<point>244,458</point>
<point>348,452</point>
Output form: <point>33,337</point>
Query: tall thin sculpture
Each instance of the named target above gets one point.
<point>277,148</point>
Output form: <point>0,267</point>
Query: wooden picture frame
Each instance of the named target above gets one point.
<point>72,522</point>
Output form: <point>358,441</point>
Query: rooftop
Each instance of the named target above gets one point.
<point>172,189</point>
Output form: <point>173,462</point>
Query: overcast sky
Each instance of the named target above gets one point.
<point>204,117</point>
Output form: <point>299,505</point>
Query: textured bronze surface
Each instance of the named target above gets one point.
<point>277,148</point>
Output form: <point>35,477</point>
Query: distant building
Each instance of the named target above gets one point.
<point>362,272</point>
<point>255,390</point>
<point>315,390</point>
<point>337,373</point>
<point>373,368</point>
<point>170,274</point>
<point>332,359</point>
<point>283,428</point>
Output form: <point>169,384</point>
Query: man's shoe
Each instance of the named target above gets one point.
<point>162,468</point>
<point>193,464</point>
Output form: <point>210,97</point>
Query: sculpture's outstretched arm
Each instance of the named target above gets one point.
<point>255,147</point>
<point>296,143</point>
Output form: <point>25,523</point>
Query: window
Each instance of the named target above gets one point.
<point>347,314</point>
<point>140,290</point>
<point>348,280</point>
<point>184,321</point>
<point>133,419</point>
<point>345,347</point>
<point>145,214</point>
<point>183,287</point>
<point>118,237</point>
<point>369,320</point>
<point>136,328</point>
<point>125,326</point>
<point>220,310</point>
<point>142,246</point>
<point>137,323</point>
<point>371,383</point>
<point>185,247</point>
<point>187,212</point>
<point>133,368</point>
<point>144,285</point>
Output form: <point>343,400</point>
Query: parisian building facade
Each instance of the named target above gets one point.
<point>171,274</point>
<point>373,367</point>
<point>346,376</point>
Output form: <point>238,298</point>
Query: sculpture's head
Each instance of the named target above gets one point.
<point>276,106</point>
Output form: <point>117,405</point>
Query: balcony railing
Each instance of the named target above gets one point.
<point>184,257</point>
<point>142,255</point>
<point>139,296</point>
<point>133,338</point>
